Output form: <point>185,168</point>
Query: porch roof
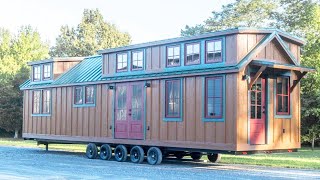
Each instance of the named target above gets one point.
<point>276,65</point>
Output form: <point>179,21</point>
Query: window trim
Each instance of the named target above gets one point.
<point>125,70</point>
<point>143,59</point>
<point>41,103</point>
<point>173,46</point>
<point>276,113</point>
<point>163,94</point>
<point>206,97</point>
<point>186,54</point>
<point>74,95</point>
<point>222,51</point>
<point>222,118</point>
<point>83,96</point>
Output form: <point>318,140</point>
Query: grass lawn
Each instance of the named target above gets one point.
<point>304,158</point>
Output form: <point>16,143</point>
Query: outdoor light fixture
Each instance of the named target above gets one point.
<point>147,84</point>
<point>111,87</point>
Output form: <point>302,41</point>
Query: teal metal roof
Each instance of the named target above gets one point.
<point>88,70</point>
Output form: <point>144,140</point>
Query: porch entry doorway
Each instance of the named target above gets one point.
<point>129,111</point>
<point>258,112</point>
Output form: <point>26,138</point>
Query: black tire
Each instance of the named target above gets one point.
<point>91,151</point>
<point>154,156</point>
<point>105,152</point>
<point>137,154</point>
<point>179,155</point>
<point>120,153</point>
<point>215,158</point>
<point>196,156</point>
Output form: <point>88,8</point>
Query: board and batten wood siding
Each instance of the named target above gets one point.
<point>61,67</point>
<point>82,123</point>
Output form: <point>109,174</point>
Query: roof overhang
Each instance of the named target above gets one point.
<point>275,65</point>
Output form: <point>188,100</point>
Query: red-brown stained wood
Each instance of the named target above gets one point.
<point>110,109</point>
<point>163,124</point>
<point>59,112</point>
<point>231,49</point>
<point>155,58</point>
<point>69,111</point>
<point>199,124</point>
<point>105,111</point>
<point>231,108</point>
<point>149,114</point>
<point>156,103</point>
<point>98,121</point>
<point>190,109</point>
<point>54,111</point>
<point>148,59</point>
<point>63,110</point>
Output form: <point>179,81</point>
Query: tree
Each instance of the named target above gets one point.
<point>248,13</point>
<point>92,34</point>
<point>15,52</point>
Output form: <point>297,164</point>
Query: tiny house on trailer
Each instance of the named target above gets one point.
<point>234,91</point>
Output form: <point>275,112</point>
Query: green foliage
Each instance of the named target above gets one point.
<point>15,52</point>
<point>92,34</point>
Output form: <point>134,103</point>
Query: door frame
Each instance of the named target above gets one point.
<point>144,91</point>
<point>267,96</point>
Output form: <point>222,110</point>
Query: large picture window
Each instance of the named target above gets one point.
<point>192,53</point>
<point>84,96</point>
<point>283,96</point>
<point>122,62</point>
<point>41,102</point>
<point>36,73</point>
<point>214,51</point>
<point>173,98</point>
<point>36,102</point>
<point>213,97</point>
<point>137,60</point>
<point>173,56</point>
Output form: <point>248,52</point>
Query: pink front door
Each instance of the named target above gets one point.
<point>129,111</point>
<point>257,113</point>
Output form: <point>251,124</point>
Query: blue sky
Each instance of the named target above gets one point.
<point>144,20</point>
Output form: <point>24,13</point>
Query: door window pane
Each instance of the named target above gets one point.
<point>121,103</point>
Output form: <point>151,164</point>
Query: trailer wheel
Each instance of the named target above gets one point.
<point>154,156</point>
<point>137,154</point>
<point>91,151</point>
<point>179,155</point>
<point>215,158</point>
<point>120,153</point>
<point>105,152</point>
<point>196,156</point>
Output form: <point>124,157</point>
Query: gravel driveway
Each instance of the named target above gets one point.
<point>33,163</point>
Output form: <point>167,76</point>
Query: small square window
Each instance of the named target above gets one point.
<point>173,56</point>
<point>192,54</point>
<point>46,71</point>
<point>214,51</point>
<point>122,62</point>
<point>36,73</point>
<point>137,60</point>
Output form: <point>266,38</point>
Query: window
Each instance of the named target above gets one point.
<point>84,96</point>
<point>46,71</point>
<point>193,53</point>
<point>122,62</point>
<point>41,102</point>
<point>137,60</point>
<point>213,97</point>
<point>89,95</point>
<point>173,97</point>
<point>213,51</point>
<point>283,96</point>
<point>173,56</point>
<point>36,102</point>
<point>36,73</point>
<point>78,95</point>
<point>46,101</point>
